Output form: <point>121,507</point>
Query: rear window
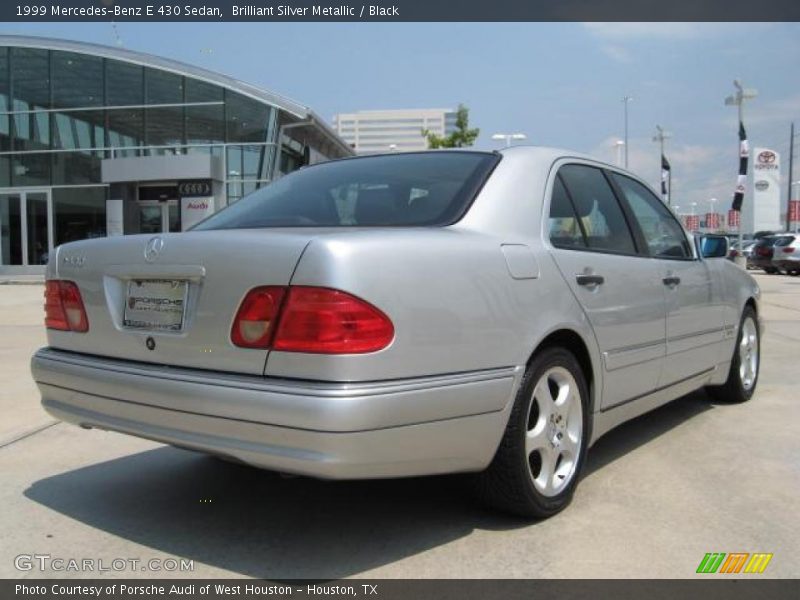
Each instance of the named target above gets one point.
<point>784,241</point>
<point>414,189</point>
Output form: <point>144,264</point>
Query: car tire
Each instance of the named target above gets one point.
<point>741,382</point>
<point>539,460</point>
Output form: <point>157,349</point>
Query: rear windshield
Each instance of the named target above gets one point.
<point>413,189</point>
<point>784,241</point>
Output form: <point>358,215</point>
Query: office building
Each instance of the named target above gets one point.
<point>376,131</point>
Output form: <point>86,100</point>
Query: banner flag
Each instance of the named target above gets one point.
<point>741,181</point>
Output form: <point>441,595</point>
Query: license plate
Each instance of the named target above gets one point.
<point>155,304</point>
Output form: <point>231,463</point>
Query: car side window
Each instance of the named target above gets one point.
<point>661,230</point>
<point>565,229</point>
<point>598,210</point>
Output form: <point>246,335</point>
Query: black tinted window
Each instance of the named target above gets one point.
<point>662,232</point>
<point>784,241</point>
<point>390,190</point>
<point>565,230</point>
<point>598,209</point>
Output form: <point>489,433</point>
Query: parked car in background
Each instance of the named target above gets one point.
<point>746,251</point>
<point>761,254</point>
<point>401,315</point>
<point>786,254</point>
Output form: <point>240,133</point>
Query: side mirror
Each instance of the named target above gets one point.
<point>714,246</point>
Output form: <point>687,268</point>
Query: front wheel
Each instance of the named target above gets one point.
<point>536,467</point>
<point>743,374</point>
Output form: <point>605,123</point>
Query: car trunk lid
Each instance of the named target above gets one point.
<point>171,299</point>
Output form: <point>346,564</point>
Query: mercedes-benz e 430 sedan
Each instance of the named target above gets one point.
<point>402,315</point>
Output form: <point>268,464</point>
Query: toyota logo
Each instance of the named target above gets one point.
<point>766,157</point>
<point>153,249</point>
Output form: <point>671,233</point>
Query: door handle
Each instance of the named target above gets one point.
<point>589,280</point>
<point>671,280</point>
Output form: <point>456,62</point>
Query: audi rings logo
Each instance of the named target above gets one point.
<point>153,249</point>
<point>767,157</point>
<point>194,189</point>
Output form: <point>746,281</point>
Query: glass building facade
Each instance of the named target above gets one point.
<point>99,141</point>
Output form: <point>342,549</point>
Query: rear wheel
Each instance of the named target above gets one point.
<point>743,374</point>
<point>537,465</point>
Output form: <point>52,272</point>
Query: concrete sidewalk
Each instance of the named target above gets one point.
<point>21,279</point>
<point>657,493</point>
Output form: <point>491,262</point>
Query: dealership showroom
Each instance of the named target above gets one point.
<point>99,141</point>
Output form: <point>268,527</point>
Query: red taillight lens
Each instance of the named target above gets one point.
<point>310,319</point>
<point>255,321</point>
<point>325,321</point>
<point>63,307</point>
<point>788,250</point>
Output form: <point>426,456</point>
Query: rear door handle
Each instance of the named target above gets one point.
<point>589,280</point>
<point>671,280</point>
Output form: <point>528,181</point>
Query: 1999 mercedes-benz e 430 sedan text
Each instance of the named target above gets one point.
<point>401,315</point>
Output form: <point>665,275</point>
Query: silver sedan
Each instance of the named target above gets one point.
<point>403,315</point>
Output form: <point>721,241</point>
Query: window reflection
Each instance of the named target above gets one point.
<point>30,75</point>
<point>163,87</point>
<point>77,80</point>
<point>79,213</point>
<point>124,84</point>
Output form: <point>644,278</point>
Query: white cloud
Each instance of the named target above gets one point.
<point>782,110</point>
<point>617,53</point>
<point>699,172</point>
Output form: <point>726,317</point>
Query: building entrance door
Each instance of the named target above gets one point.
<point>159,216</point>
<point>26,231</point>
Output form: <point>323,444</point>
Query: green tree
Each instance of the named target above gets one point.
<point>462,136</point>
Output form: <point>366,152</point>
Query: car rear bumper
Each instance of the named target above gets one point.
<point>399,428</point>
<point>789,262</point>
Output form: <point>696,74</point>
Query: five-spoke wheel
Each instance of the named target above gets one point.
<point>537,465</point>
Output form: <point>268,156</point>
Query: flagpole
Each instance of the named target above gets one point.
<point>661,136</point>
<point>740,253</point>
<point>669,187</point>
<point>789,194</point>
<point>738,99</point>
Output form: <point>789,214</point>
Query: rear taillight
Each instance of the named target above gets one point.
<point>257,316</point>
<point>63,307</point>
<point>788,250</point>
<point>311,320</point>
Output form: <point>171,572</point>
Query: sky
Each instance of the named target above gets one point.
<point>561,84</point>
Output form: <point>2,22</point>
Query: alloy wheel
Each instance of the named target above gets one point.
<point>748,354</point>
<point>554,431</point>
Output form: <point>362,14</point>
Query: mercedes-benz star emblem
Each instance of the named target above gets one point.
<point>153,249</point>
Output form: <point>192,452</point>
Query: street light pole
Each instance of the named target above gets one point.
<point>737,100</point>
<point>618,150</point>
<point>508,137</point>
<point>625,101</point>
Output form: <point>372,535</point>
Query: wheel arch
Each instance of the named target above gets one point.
<point>571,340</point>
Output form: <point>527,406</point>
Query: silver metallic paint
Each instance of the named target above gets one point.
<point>463,306</point>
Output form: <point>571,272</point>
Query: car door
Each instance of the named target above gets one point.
<point>620,291</point>
<point>695,326</point>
